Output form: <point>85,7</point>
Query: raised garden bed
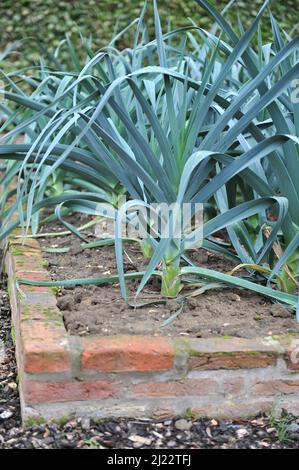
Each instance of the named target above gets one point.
<point>170,128</point>
<point>158,374</point>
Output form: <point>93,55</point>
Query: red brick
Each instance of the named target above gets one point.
<point>192,387</point>
<point>41,275</point>
<point>25,252</point>
<point>24,264</point>
<point>274,387</point>
<point>127,353</point>
<point>45,347</point>
<point>42,392</point>
<point>237,360</point>
<point>38,275</point>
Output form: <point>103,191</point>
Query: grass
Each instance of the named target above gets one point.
<point>93,444</point>
<point>190,414</point>
<point>281,425</point>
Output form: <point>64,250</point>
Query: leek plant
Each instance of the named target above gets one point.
<point>34,98</point>
<point>277,62</point>
<point>171,123</point>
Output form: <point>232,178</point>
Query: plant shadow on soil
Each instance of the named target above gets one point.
<point>100,309</point>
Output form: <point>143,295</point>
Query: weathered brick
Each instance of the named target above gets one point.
<point>229,410</point>
<point>275,386</point>
<point>23,244</point>
<point>35,275</point>
<point>290,406</point>
<point>40,312</point>
<point>192,387</point>
<point>231,353</point>
<point>233,344</point>
<point>236,360</point>
<point>25,251</point>
<point>25,263</point>
<point>41,275</point>
<point>27,289</point>
<point>41,392</point>
<point>45,347</point>
<point>39,299</point>
<point>127,353</point>
<point>292,355</point>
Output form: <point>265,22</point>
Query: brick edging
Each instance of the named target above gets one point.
<point>123,375</point>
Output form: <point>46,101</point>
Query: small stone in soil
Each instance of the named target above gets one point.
<point>140,440</point>
<point>183,425</point>
<point>293,428</point>
<point>6,414</point>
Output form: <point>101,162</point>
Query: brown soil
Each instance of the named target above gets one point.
<point>100,308</point>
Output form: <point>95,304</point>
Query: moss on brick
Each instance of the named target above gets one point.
<point>15,251</point>
<point>292,333</point>
<point>19,262</point>
<point>20,376</point>
<point>25,313</point>
<point>51,313</point>
<point>30,288</point>
<point>182,345</point>
<point>232,353</point>
<point>185,345</point>
<point>9,287</point>
<point>13,334</point>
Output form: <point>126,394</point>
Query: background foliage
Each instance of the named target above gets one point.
<point>49,20</point>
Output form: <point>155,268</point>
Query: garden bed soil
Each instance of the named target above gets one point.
<point>100,309</point>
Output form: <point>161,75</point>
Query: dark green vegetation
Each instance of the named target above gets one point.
<point>49,20</point>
